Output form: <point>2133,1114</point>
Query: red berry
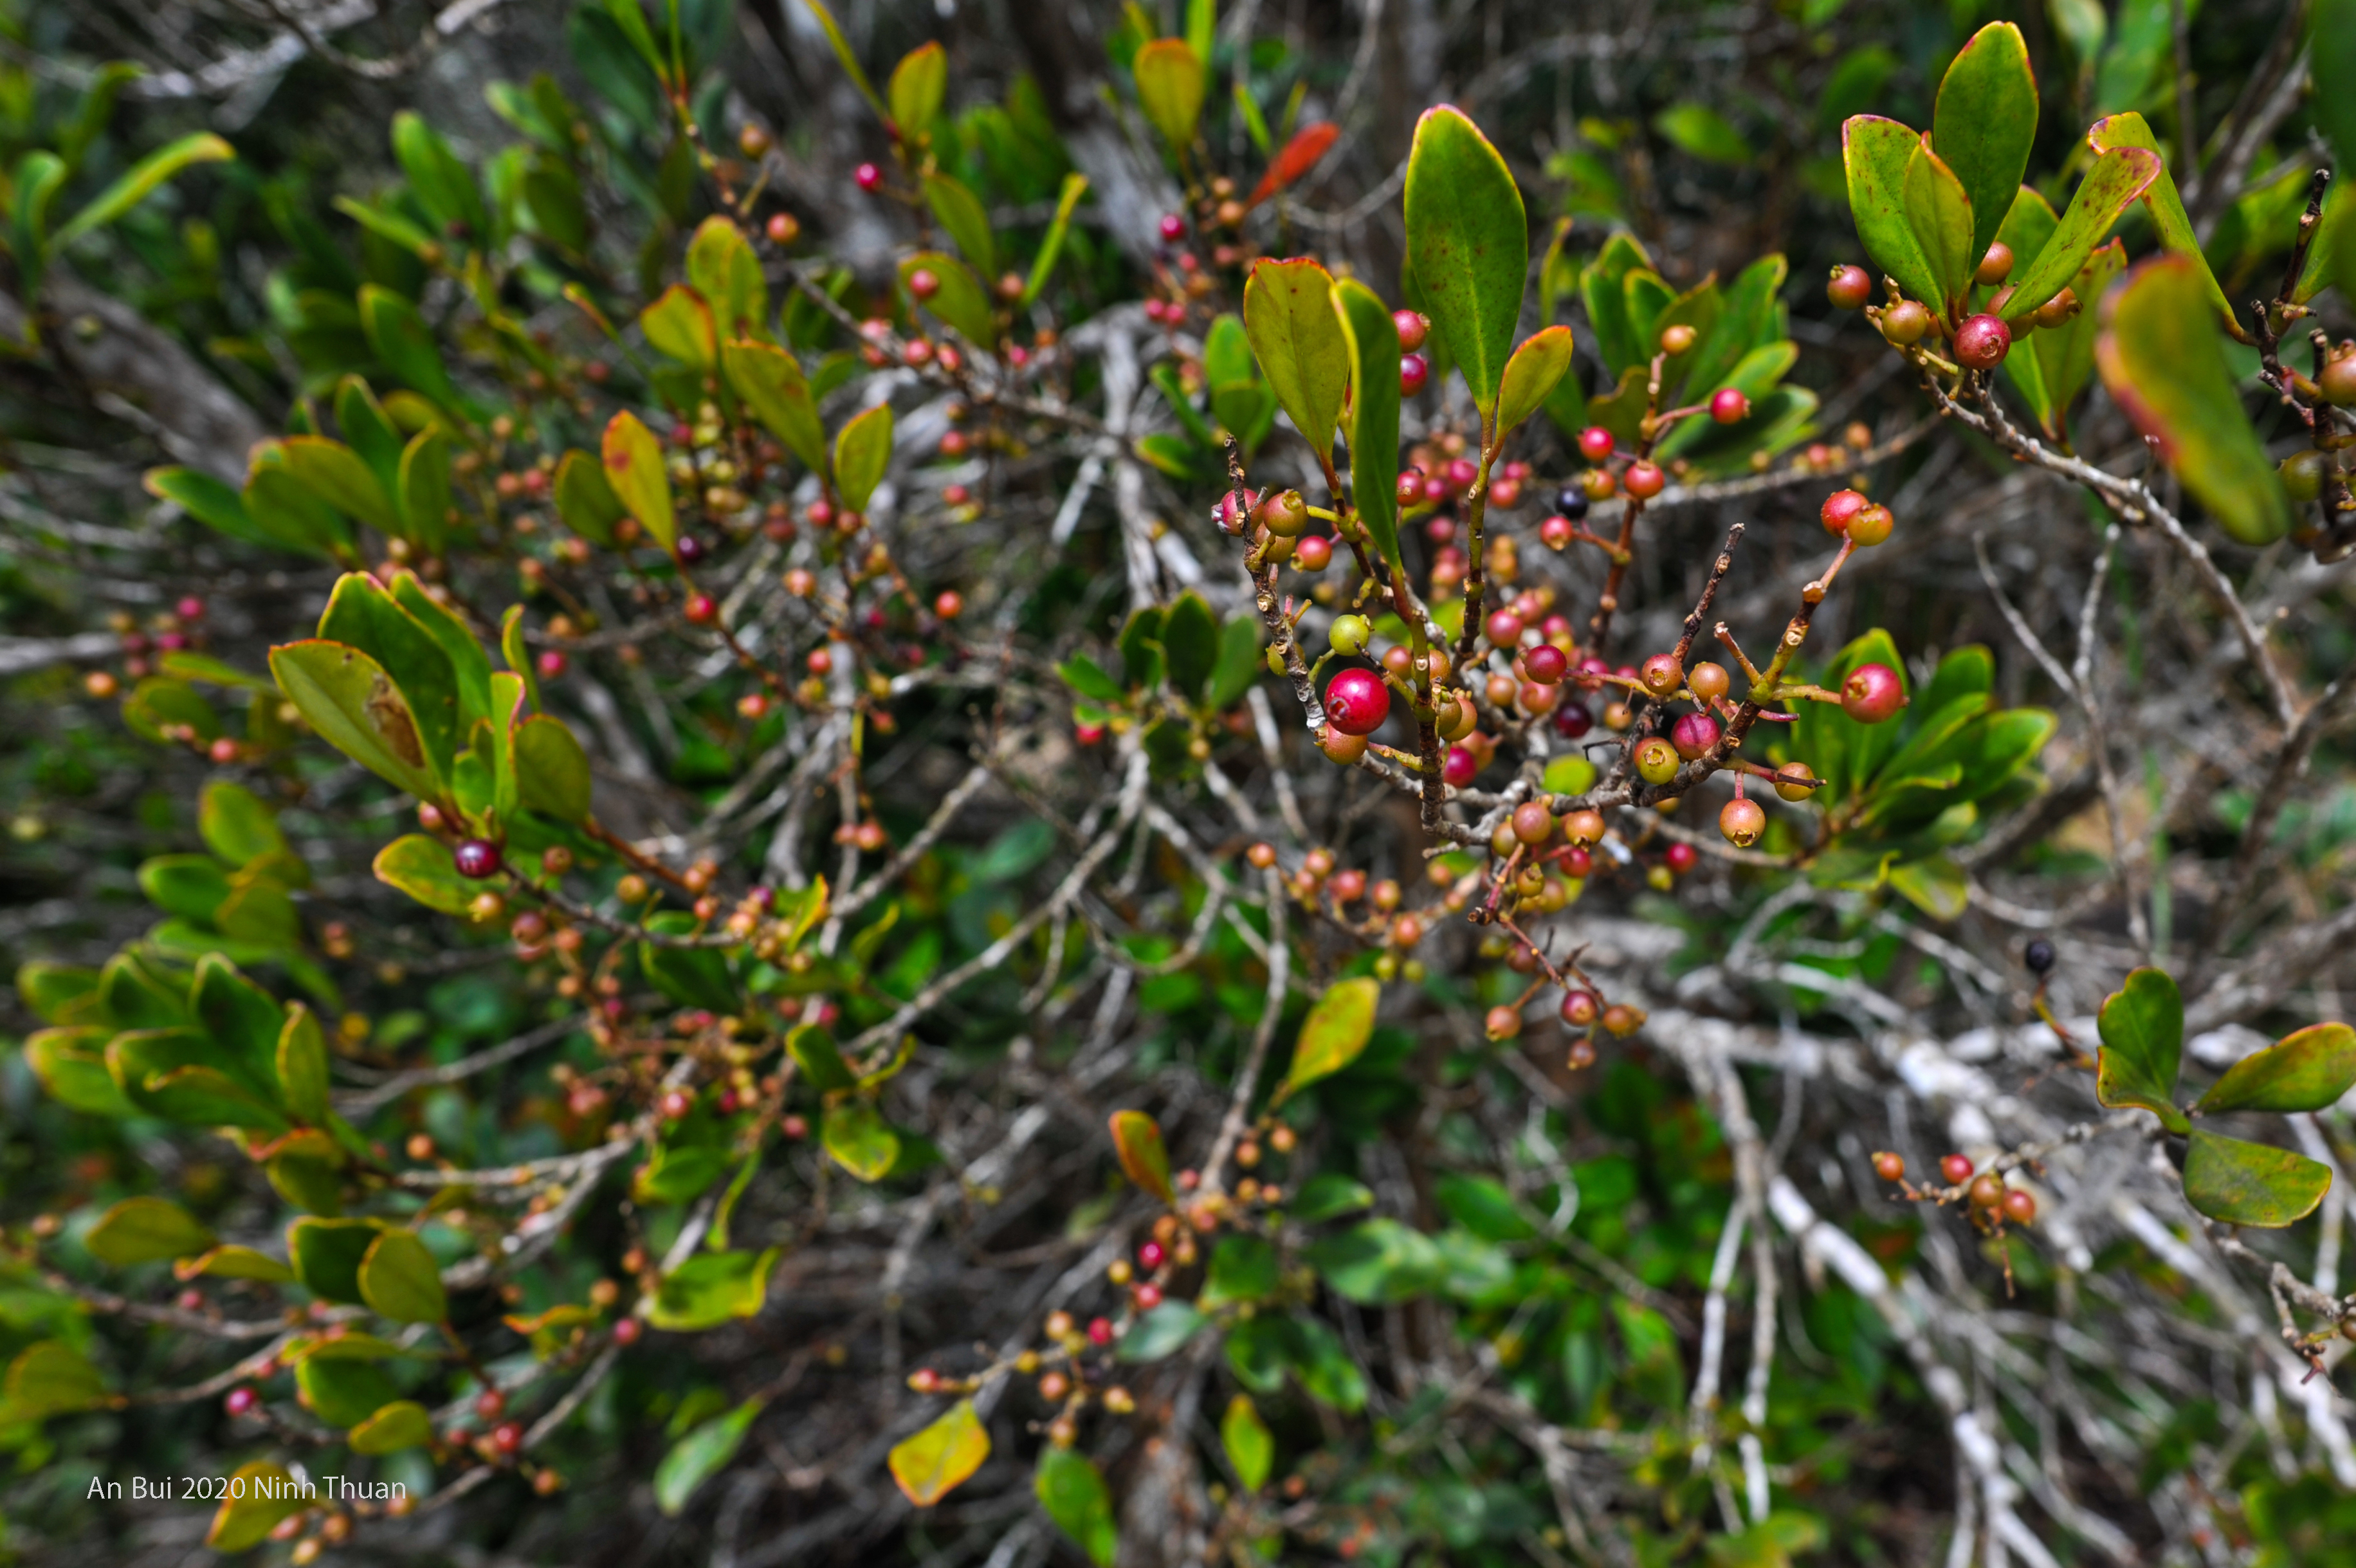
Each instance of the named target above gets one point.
<point>1840,509</point>
<point>923,284</point>
<point>552,663</point>
<point>507,1436</point>
<point>1413,371</point>
<point>1576,861</point>
<point>1174,228</point>
<point>868,176</point>
<point>1100,1331</point>
<point>1872,693</point>
<point>1572,719</point>
<point>1956,1169</point>
<point>702,608</point>
<point>1460,767</point>
<point>1504,628</point>
<point>1356,702</point>
<point>1849,289</point>
<point>1578,1008</point>
<point>1461,472</point>
<point>1742,821</point>
<point>1414,326</point>
<point>1889,1167</point>
<point>1555,532</point>
<point>1315,554</point>
<point>477,859</point>
<point>690,550</point>
<point>1981,341</point>
<point>955,443</point>
<point>1693,735</point>
<point>241,1400</point>
<point>1545,664</point>
<point>1088,734</point>
<point>1683,857</point>
<point>949,604</point>
<point>627,1332</point>
<point>1728,406</point>
<point>2019,1207</point>
<point>1644,480</point>
<point>1871,526</point>
<point>190,609</point>
<point>1150,1256</point>
<point>783,228</point>
<point>491,1404</point>
<point>1595,444</point>
<point>1409,490</point>
<point>1149,1296</point>
<point>1988,1192</point>
<point>820,662</point>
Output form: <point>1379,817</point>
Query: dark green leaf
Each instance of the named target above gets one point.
<point>2251,1184</point>
<point>1483,1206</point>
<point>1160,1332</point>
<point>1377,1262</point>
<point>1940,215</point>
<point>1239,663</point>
<point>343,1393</point>
<point>1331,1195</point>
<point>301,1058</point>
<point>2142,1026</point>
<point>404,1424</point>
<point>142,1229</point>
<point>1875,154</point>
<point>1242,1269</point>
<point>326,1255</point>
<point>1985,123</point>
<point>1071,1489</point>
<point>1702,132</point>
<point>1468,239</point>
<point>587,504</point>
<point>700,1454</point>
<point>1374,412</point>
<point>962,214</point>
<point>1190,644</point>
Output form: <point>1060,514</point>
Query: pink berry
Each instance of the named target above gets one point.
<point>1693,735</point>
<point>1872,693</point>
<point>1840,509</point>
<point>1728,406</point>
<point>1595,444</point>
<point>1413,371</point>
<point>1557,531</point>
<point>1356,702</point>
<point>868,176</point>
<point>477,859</point>
<point>191,608</point>
<point>1462,473</point>
<point>1150,1255</point>
<point>1504,628</point>
<point>1413,328</point>
<point>1682,858</point>
<point>1100,1331</point>
<point>241,1400</point>
<point>1174,228</point>
<point>923,284</point>
<point>1545,664</point>
<point>552,663</point>
<point>1460,767</point>
<point>1981,341</point>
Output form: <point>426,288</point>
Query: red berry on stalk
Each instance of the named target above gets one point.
<point>1150,1256</point>
<point>923,284</point>
<point>1849,289</point>
<point>1644,480</point>
<point>1100,1331</point>
<point>1872,693</point>
<point>783,228</point>
<point>2337,381</point>
<point>1573,719</point>
<point>1595,444</point>
<point>2019,1207</point>
<point>1578,1008</point>
<point>1906,323</point>
<point>1461,472</point>
<point>1661,674</point>
<point>1889,1167</point>
<point>1840,509</point>
<point>552,663</point>
<point>1557,531</point>
<point>1871,526</point>
<point>1413,371</point>
<point>1683,858</point>
<point>241,1400</point>
<point>491,1404</point>
<point>1174,228</point>
<point>1693,735</point>
<point>477,859</point>
<point>1728,406</point>
<point>1981,341</point>
<point>1149,1296</point>
<point>1460,767</point>
<point>1414,326</point>
<point>1986,1192</point>
<point>627,1332</point>
<point>1356,702</point>
<point>1742,821</point>
<point>1956,1169</point>
<point>1410,489</point>
<point>869,178</point>
<point>1545,664</point>
<point>1315,554</point>
<point>949,604</point>
<point>1504,628</point>
<point>507,1436</point>
<point>701,610</point>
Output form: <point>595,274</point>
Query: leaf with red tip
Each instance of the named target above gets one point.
<point>1137,1139</point>
<point>935,1462</point>
<point>1874,153</point>
<point>1300,155</point>
<point>2168,214</point>
<point>2110,187</point>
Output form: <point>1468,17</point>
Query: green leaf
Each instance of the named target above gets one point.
<point>861,1141</point>
<point>587,504</point>
<point>136,182</point>
<point>842,52</point>
<point>960,301</point>
<point>1483,1206</point>
<point>635,472</point>
<point>1378,1261</point>
<point>722,267</point>
<point>679,325</point>
<point>1531,377</point>
<point>771,382</point>
<point>370,430</point>
<point>677,1174</point>
<point>1468,239</point>
<point>1325,1368</point>
<point>1160,1332</point>
<point>193,886</point>
<point>1239,663</point>
<point>713,1288</point>
<point>551,769</point>
<point>1072,1490</point>
<point>2305,1071</point>
<point>2251,1184</point>
<point>142,1229</point>
<point>1137,1140</point>
<point>2168,215</point>
<point>2142,1026</point>
<point>71,1066</point>
<point>1190,644</point>
<point>342,1391</point>
<point>1243,1268</point>
<point>1936,885</point>
<point>1042,265</point>
<point>2331,57</point>
<point>259,1496</point>
<point>691,977</point>
<point>552,200</point>
<point>2159,356</point>
<point>236,1263</point>
<point>1875,156</point>
<point>442,183</point>
<point>1703,132</point>
<point>423,868</point>
<point>863,451</point>
<point>1602,288</point>
<point>2110,187</point>
<point>1251,1449</point>
<point>334,472</point>
<point>1374,412</point>
<point>1940,215</point>
<point>814,1051</point>
<point>404,1424</point>
<point>50,1378</point>
<point>399,1279</point>
<point>1300,344</point>
<point>966,220</point>
<point>1335,1032</point>
<point>1169,87</point>
<point>289,510</point>
<point>302,1065</point>
<point>2065,354</point>
<point>1985,123</point>
<point>700,1454</point>
<point>935,1462</point>
<point>327,1254</point>
<point>210,502</point>
<point>423,478</point>
<point>1331,1195</point>
<point>919,84</point>
<point>405,344</point>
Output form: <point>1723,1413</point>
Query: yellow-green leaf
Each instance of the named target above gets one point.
<point>1468,241</point>
<point>724,270</point>
<point>863,452</point>
<point>235,1263</point>
<point>861,1141</point>
<point>1072,1489</point>
<point>1298,341</point>
<point>1137,1139</point>
<point>50,1378</point>
<point>918,84</point>
<point>2161,359</point>
<point>142,1229</point>
<point>1251,1449</point>
<point>425,479</point>
<point>261,1496</point>
<point>713,1288</point>
<point>968,222</point>
<point>404,1424</point>
<point>771,383</point>
<point>1875,153</point>
<point>142,177</point>
<point>2110,187</point>
<point>586,502</point>
<point>1042,265</point>
<point>551,770</point>
<point>1940,215</point>
<point>2305,1071</point>
<point>2168,214</point>
<point>633,468</point>
<point>1169,87</point>
<point>346,697</point>
<point>2251,1184</point>
<point>959,300</point>
<point>701,1454</point>
<point>679,325</point>
<point>423,868</point>
<point>303,1065</point>
<point>2142,1026</point>
<point>935,1462</point>
<point>399,1278</point>
<point>1335,1032</point>
<point>334,472</point>
<point>1536,367</point>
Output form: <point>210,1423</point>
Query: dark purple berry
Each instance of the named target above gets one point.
<point>1572,503</point>
<point>2037,955</point>
<point>477,859</point>
<point>690,549</point>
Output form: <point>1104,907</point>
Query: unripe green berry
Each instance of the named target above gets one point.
<point>1350,634</point>
<point>2303,473</point>
<point>1657,761</point>
<point>1906,324</point>
<point>1284,514</point>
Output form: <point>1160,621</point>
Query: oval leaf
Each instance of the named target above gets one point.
<point>586,502</point>
<point>261,1496</point>
<point>701,1454</point>
<point>1170,86</point>
<point>1251,1449</point>
<point>1073,1491</point>
<point>1137,1139</point>
<point>404,1424</point>
<point>1373,343</point>
<point>2308,1071</point>
<point>935,1462</point>
<point>142,1229</point>
<point>1336,1031</point>
<point>1940,213</point>
<point>2142,1026</point>
<point>771,382</point>
<point>679,326</point>
<point>302,1064</point>
<point>958,300</point>
<point>1985,122</point>
<point>1531,376</point>
<point>634,469</point>
<point>425,869</point>
<point>2251,1184</point>
<point>1875,153</point>
<point>2168,214</point>
<point>1468,241</point>
<point>711,1288</point>
<point>1303,351</point>
<point>918,84</point>
<point>2110,187</point>
<point>551,770</point>
<point>348,700</point>
<point>861,1141</point>
<point>399,1278</point>
<point>863,451</point>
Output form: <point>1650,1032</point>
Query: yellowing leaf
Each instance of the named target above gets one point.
<point>260,1495</point>
<point>1137,1139</point>
<point>932,1463</point>
<point>863,452</point>
<point>142,1229</point>
<point>1170,86</point>
<point>1531,376</point>
<point>679,325</point>
<point>1336,1031</point>
<point>633,468</point>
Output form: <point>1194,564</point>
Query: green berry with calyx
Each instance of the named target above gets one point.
<point>1657,761</point>
<point>1350,634</point>
<point>1906,324</point>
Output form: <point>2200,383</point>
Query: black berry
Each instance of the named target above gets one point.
<point>1572,503</point>
<point>2037,955</point>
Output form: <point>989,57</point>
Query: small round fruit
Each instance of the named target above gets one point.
<point>1662,675</point>
<point>1693,735</point>
<point>1413,371</point>
<point>1315,554</point>
<point>2019,1207</point>
<point>1708,681</point>
<point>1742,821</point>
<point>1621,1019</point>
<point>2338,381</point>
<point>1956,1169</point>
<point>1414,326</point>
<point>1840,509</point>
<point>1459,767</point>
<point>2057,311</point>
<point>1677,339</point>
<point>1906,324</point>
<point>1657,761</point>
<point>1981,341</point>
<point>1595,444</point>
<point>2302,475</point>
<point>477,859</point>
<point>2037,955</point>
<point>1572,503</point>
<point>1579,1009</point>
<point>1556,532</point>
<point>1174,228</point>
<point>1889,1167</point>
<point>1871,526</point>
<point>1573,719</point>
<point>1356,702</point>
<point>1504,628</point>
<point>241,1400</point>
<point>1456,718</point>
<point>1284,514</point>
<point>1987,1191</point>
<point>1682,856</point>
<point>924,283</point>
<point>1728,406</point>
<point>1503,1023</point>
<point>1583,828</point>
<point>869,178</point>
<point>1545,664</point>
<point>1644,480</point>
<point>1849,288</point>
<point>1995,267</point>
<point>783,228</point>
<point>1350,634</point>
<point>1800,779</point>
<point>1533,824</point>
<point>1872,693</point>
<point>1339,747</point>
